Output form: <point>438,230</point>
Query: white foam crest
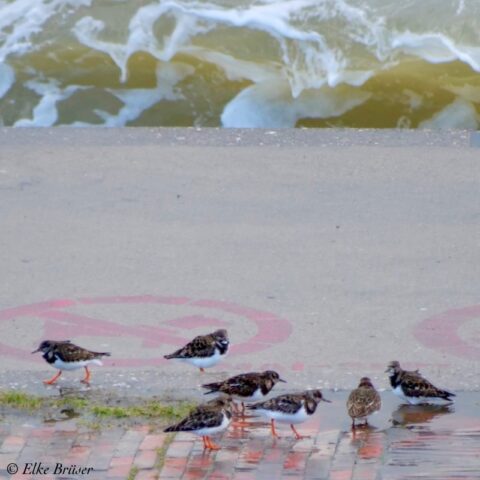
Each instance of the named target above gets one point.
<point>45,114</point>
<point>137,100</point>
<point>236,69</point>
<point>194,18</point>
<point>7,78</point>
<point>459,114</point>
<point>307,59</point>
<point>272,18</point>
<point>20,19</point>
<point>436,48</point>
<point>141,35</point>
<point>87,31</point>
<point>271,105</point>
<point>141,29</point>
<point>322,63</point>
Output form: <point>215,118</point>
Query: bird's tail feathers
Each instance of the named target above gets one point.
<point>447,395</point>
<point>171,355</point>
<point>173,428</point>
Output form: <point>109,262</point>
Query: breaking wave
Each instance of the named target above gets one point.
<point>264,63</point>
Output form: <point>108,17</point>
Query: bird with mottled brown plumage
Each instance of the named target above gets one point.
<point>291,408</point>
<point>204,351</point>
<point>65,355</point>
<point>411,386</point>
<point>205,420</point>
<point>246,387</point>
<point>363,401</point>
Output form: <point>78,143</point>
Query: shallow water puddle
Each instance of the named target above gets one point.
<point>402,442</point>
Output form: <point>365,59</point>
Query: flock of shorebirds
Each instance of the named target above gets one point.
<point>252,388</point>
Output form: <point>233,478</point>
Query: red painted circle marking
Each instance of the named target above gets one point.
<point>440,332</point>
<point>60,323</point>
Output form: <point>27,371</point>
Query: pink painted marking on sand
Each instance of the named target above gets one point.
<point>16,353</point>
<point>440,332</point>
<point>66,323</point>
<point>61,324</point>
<point>298,366</point>
<point>272,366</point>
<point>271,329</point>
<point>241,367</point>
<point>135,299</point>
<point>195,321</point>
<point>26,310</point>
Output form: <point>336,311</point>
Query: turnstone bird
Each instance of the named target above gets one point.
<point>65,355</point>
<point>290,408</point>
<point>205,420</point>
<point>363,401</point>
<point>203,351</point>
<point>246,387</point>
<point>412,387</point>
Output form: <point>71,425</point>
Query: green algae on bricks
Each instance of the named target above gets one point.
<point>147,410</point>
<point>20,400</point>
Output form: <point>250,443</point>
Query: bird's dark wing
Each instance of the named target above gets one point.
<point>201,346</point>
<point>415,385</point>
<point>69,352</point>
<point>283,403</point>
<point>197,419</point>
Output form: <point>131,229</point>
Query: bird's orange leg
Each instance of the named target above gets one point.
<point>212,445</point>
<point>239,423</point>
<point>53,379</point>
<point>272,426</point>
<point>86,380</point>
<point>297,435</point>
<point>205,443</point>
<point>240,412</point>
<point>202,370</point>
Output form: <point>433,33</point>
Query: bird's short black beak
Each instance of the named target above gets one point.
<point>282,380</point>
<point>325,400</point>
<point>37,350</point>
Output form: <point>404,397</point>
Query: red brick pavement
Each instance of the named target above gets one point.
<point>438,444</point>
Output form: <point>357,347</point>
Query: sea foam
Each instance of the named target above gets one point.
<point>250,63</point>
<point>7,78</point>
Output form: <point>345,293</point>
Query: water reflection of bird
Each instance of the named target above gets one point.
<point>368,442</point>
<point>408,414</point>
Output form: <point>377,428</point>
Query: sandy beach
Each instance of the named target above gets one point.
<point>325,253</point>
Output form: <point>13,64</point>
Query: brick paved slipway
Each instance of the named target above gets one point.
<point>403,442</point>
